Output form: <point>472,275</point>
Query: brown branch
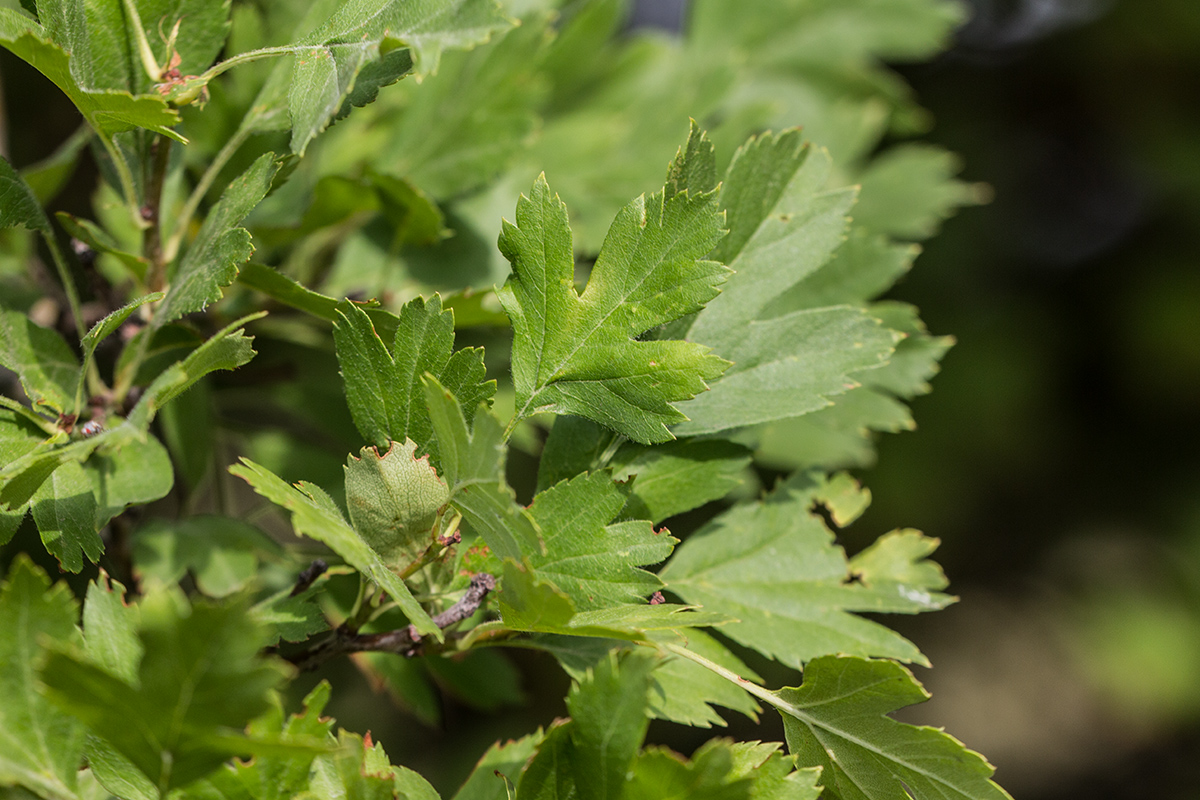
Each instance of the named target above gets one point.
<point>405,642</point>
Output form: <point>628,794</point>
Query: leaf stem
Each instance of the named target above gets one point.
<point>43,423</point>
<point>766,695</point>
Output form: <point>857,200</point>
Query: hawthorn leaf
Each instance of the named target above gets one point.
<point>709,774</point>
<point>578,353</point>
<point>609,718</point>
<point>774,567</point>
<point>107,110</point>
<point>65,510</point>
<point>499,767</point>
<point>687,693</point>
<point>18,203</point>
<point>18,437</point>
<point>359,769</point>
<point>528,603</point>
<point>292,618</point>
<point>272,776</point>
<point>595,563</point>
<point>837,720</point>
<point>110,629</point>
<point>678,476</point>
<point>221,553</point>
<point>330,59</point>
<point>549,774</point>
<point>897,570</point>
<point>200,679</point>
<point>40,746</point>
<point>783,225</point>
<point>383,389</point>
<point>137,472</point>
<point>101,241</point>
<point>315,515</point>
<point>394,500</point>
<point>107,326</point>
<point>220,247</point>
<point>283,289</point>
<point>910,189</point>
<point>42,359</point>
<point>574,445</point>
<point>473,467</point>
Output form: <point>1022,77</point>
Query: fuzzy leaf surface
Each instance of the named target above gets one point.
<point>773,565</point>
<point>41,358</point>
<point>837,719</point>
<point>578,353</point>
<point>18,204</point>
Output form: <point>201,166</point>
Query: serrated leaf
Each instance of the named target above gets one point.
<point>549,775</point>
<point>659,774</point>
<point>595,563</point>
<point>40,746</point>
<point>200,678</point>
<point>292,618</point>
<point>574,445</point>
<point>500,762</point>
<point>221,553</point>
<point>577,353</point>
<point>362,770</point>
<point>383,389</point>
<point>18,204</point>
<point>99,240</point>
<point>110,630</point>
<point>315,515</point>
<point>42,359</point>
<point>473,467</point>
<point>773,566</point>
<point>107,110</point>
<point>272,776</point>
<point>280,287</point>
<point>393,500</point>
<point>107,326</point>
<point>837,720</point>
<point>784,224</point>
<point>678,476</point>
<point>330,59</point>
<point>609,718</point>
<point>220,247</point>
<point>18,437</point>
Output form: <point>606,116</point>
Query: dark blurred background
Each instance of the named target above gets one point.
<point>1058,457</point>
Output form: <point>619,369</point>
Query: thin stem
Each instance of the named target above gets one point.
<point>68,283</point>
<point>149,62</point>
<point>246,58</point>
<point>766,695</point>
<point>43,423</point>
<point>151,212</point>
<point>179,230</point>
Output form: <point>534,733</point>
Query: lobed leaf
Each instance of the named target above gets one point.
<point>837,720</point>
<point>773,566</point>
<point>578,353</point>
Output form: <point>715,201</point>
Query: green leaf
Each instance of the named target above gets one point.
<point>909,190</point>
<point>277,286</point>
<point>574,445</point>
<point>107,326</point>
<point>501,761</point>
<point>65,510</point>
<point>549,775</point>
<point>99,240</point>
<point>18,204</point>
<point>609,719</point>
<point>107,110</point>
<point>222,554</point>
<point>784,224</point>
<point>272,776</point>
<point>709,775</point>
<point>199,680</point>
<point>394,500</point>
<point>837,720</point>
<point>473,467</point>
<point>383,389</point>
<point>686,692</point>
<point>220,247</point>
<point>577,353</point>
<point>137,472</point>
<point>42,359</point>
<point>292,618</point>
<point>362,770</point>
<point>18,437</point>
<point>773,565</point>
<point>110,630</point>
<point>315,515</point>
<point>593,562</point>
<point>329,60</point>
<point>674,477</point>
<point>40,746</point>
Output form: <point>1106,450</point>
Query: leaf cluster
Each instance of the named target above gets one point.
<point>290,269</point>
